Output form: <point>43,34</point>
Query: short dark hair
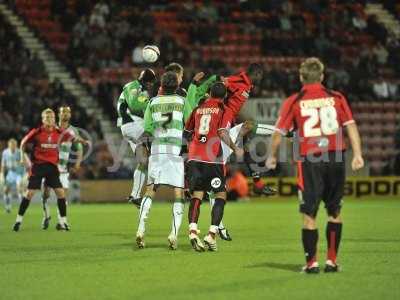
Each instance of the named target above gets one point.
<point>169,82</point>
<point>147,75</point>
<point>174,67</point>
<point>254,68</point>
<point>218,90</point>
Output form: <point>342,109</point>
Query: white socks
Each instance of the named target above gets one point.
<point>177,215</point>
<point>143,214</point>
<point>213,229</point>
<point>193,227</point>
<point>19,219</point>
<point>139,179</point>
<point>265,129</point>
<point>212,201</point>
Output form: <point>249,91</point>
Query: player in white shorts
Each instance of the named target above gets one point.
<point>12,174</point>
<point>164,118</point>
<point>65,149</point>
<point>131,106</point>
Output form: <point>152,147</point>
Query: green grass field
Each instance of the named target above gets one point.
<point>98,258</point>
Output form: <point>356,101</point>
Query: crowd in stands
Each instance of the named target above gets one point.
<point>25,91</point>
<point>362,57</point>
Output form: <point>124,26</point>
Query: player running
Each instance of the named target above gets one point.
<point>208,126</point>
<point>164,122</point>
<point>45,157</point>
<point>318,116</point>
<point>64,115</point>
<point>131,106</point>
<point>12,173</point>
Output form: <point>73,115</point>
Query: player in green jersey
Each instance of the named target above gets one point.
<point>164,123</point>
<point>64,115</point>
<point>132,104</point>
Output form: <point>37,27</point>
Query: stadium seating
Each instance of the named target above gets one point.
<point>245,34</point>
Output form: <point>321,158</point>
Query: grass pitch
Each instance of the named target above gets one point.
<point>98,258</point>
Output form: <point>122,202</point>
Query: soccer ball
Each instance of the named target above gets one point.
<point>150,53</point>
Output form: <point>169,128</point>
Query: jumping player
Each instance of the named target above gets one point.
<point>318,116</point>
<point>208,126</point>
<point>45,157</point>
<point>132,104</point>
<point>64,115</point>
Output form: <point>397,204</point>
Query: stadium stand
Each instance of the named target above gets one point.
<point>25,91</point>
<point>98,40</point>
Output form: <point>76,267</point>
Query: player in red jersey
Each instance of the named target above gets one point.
<point>208,126</point>
<point>46,140</point>
<point>239,87</point>
<point>318,116</point>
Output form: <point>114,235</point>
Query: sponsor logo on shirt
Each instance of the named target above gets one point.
<point>49,146</point>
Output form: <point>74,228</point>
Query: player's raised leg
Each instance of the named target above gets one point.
<point>139,175</point>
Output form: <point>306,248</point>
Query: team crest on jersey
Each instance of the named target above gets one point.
<point>143,97</point>
<point>216,182</point>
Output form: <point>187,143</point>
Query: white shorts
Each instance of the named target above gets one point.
<point>233,133</point>
<point>13,180</point>
<point>132,131</point>
<point>64,179</point>
<point>166,169</point>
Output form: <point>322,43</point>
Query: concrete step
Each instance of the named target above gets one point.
<point>59,70</point>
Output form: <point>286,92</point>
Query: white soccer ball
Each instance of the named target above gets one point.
<point>150,53</point>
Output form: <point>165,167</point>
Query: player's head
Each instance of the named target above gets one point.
<point>147,78</point>
<point>178,69</point>
<point>48,117</point>
<point>255,72</point>
<point>311,71</point>
<point>218,90</point>
<point>64,113</point>
<point>12,144</point>
<point>169,82</point>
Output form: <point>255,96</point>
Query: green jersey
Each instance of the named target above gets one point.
<point>65,150</point>
<point>165,119</point>
<point>197,92</point>
<point>132,102</point>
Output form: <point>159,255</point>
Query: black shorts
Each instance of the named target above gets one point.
<point>47,171</point>
<point>321,180</point>
<point>206,177</point>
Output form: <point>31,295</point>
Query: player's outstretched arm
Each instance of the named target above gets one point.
<point>273,153</point>
<point>355,141</point>
<point>224,136</point>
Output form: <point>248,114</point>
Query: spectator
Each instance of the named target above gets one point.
<point>380,53</point>
<point>381,88</point>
